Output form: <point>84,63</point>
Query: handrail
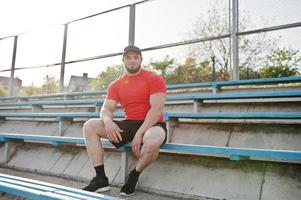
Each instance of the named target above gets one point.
<point>214,85</point>
<point>243,95</point>
<point>96,102</point>
<point>167,115</point>
<point>232,152</point>
<point>218,115</point>
<point>238,82</point>
<point>56,102</point>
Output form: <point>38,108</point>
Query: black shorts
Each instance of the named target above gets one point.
<point>130,127</point>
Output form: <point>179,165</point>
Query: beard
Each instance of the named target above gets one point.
<point>133,70</point>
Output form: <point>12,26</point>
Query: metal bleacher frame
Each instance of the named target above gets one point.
<point>215,87</point>
<point>197,97</point>
<point>233,153</point>
<point>168,116</point>
<point>38,190</point>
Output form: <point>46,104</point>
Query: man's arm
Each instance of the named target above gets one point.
<point>107,109</point>
<point>106,114</point>
<point>157,102</point>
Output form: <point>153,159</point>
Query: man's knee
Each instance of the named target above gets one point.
<point>151,146</point>
<point>91,127</point>
<point>153,138</point>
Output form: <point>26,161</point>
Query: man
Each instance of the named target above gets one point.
<point>142,95</point>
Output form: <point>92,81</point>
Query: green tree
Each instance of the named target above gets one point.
<point>248,73</point>
<point>281,63</point>
<point>51,84</point>
<point>3,91</point>
<point>103,80</point>
<point>185,73</point>
<point>252,50</point>
<point>30,90</point>
<point>205,72</point>
<point>191,72</point>
<point>162,66</point>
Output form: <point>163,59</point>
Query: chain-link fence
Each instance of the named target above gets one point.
<point>184,41</point>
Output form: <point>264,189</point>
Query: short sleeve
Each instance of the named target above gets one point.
<point>157,84</point>
<point>112,92</point>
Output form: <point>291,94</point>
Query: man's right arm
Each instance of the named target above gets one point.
<point>107,109</point>
<point>106,114</point>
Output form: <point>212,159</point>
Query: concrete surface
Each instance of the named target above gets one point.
<point>263,136</point>
<point>179,175</point>
<point>114,191</point>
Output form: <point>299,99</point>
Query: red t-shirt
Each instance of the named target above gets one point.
<point>133,93</point>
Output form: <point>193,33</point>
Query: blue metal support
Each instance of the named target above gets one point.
<point>234,153</point>
<point>218,115</point>
<point>38,190</point>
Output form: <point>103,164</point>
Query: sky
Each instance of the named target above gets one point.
<point>157,22</point>
<point>21,16</point>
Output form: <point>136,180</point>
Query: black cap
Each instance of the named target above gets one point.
<point>131,48</point>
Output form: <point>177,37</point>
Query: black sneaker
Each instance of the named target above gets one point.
<point>98,185</point>
<point>128,189</point>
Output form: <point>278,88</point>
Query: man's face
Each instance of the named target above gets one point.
<point>132,62</point>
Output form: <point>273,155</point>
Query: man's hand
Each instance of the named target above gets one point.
<point>136,144</point>
<point>113,131</point>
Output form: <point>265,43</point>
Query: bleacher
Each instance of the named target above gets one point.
<point>37,190</point>
<point>222,135</point>
<point>214,87</point>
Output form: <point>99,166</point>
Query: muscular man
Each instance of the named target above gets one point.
<point>142,95</point>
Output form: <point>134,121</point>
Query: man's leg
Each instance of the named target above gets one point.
<point>93,130</point>
<point>152,140</point>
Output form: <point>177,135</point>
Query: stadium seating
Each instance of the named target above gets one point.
<point>215,86</point>
<point>98,102</point>
<point>38,190</point>
<point>231,152</point>
<point>201,133</point>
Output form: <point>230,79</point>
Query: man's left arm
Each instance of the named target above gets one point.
<point>157,102</point>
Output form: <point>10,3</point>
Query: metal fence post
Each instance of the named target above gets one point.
<point>63,59</point>
<point>12,72</point>
<point>234,36</point>
<point>132,25</point>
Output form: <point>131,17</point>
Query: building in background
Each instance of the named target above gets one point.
<point>80,83</point>
<point>4,83</point>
